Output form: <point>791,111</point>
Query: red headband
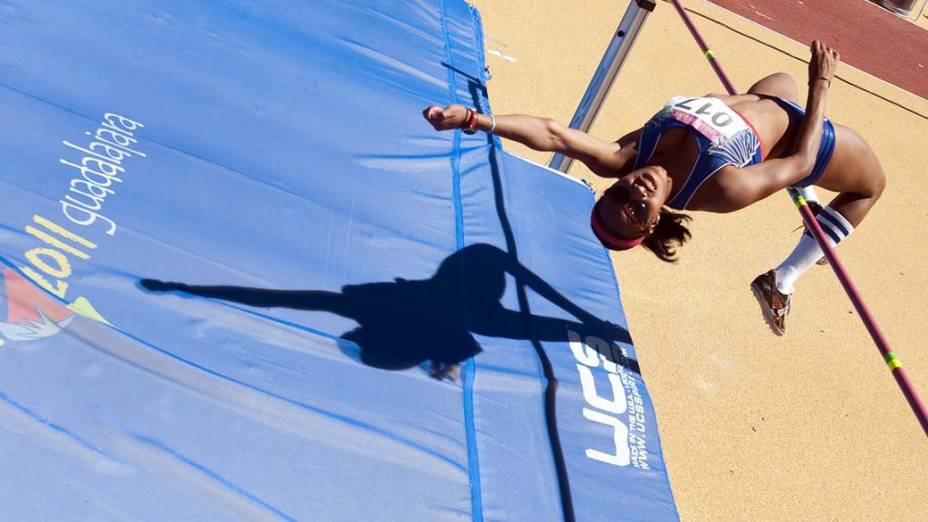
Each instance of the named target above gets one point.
<point>611,241</point>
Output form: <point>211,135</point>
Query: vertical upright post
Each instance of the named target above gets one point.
<point>612,61</point>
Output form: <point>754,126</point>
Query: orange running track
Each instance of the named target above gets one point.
<point>867,36</point>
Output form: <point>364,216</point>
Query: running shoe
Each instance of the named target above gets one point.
<point>774,304</point>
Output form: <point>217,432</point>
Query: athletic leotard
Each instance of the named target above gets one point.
<point>723,137</point>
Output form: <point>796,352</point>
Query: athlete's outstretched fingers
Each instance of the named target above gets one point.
<point>435,115</point>
<point>154,285</point>
<point>823,63</point>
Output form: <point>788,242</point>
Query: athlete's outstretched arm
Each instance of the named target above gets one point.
<point>543,134</point>
<point>744,186</point>
<point>260,297</point>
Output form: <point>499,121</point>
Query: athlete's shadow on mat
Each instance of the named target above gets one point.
<point>405,323</point>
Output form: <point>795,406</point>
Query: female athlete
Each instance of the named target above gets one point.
<point>714,153</point>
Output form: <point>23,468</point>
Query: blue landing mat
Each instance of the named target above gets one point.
<point>347,316</point>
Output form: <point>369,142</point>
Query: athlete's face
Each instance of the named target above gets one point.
<point>632,205</point>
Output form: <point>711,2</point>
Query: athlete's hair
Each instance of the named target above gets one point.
<point>669,233</point>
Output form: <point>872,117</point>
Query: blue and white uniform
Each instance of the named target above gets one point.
<point>723,137</point>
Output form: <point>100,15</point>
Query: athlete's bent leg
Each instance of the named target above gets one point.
<point>856,174</point>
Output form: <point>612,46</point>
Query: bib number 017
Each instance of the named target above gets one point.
<point>715,110</point>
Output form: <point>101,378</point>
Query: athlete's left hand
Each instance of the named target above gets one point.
<point>824,62</point>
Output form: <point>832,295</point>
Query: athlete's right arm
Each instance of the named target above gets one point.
<point>543,134</point>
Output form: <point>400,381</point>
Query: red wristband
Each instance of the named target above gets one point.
<point>470,122</point>
<point>466,120</point>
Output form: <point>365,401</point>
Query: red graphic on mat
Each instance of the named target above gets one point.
<point>30,314</point>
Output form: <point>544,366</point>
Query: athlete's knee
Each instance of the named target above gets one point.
<point>877,183</point>
<point>872,185</point>
<point>876,176</point>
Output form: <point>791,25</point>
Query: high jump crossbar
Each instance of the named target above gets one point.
<point>882,344</point>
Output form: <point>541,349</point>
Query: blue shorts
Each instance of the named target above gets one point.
<point>826,147</point>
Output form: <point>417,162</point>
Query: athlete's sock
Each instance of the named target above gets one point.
<point>807,252</point>
<point>807,193</point>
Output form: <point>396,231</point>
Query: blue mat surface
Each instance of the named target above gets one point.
<point>244,279</point>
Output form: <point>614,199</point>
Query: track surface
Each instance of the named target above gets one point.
<point>868,37</point>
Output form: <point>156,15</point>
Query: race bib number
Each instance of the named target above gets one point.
<point>708,116</point>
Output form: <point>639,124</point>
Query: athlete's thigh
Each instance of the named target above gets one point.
<point>853,167</point>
